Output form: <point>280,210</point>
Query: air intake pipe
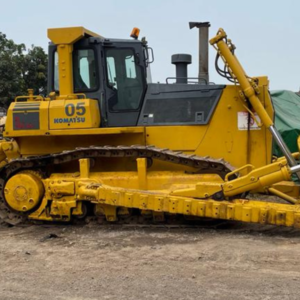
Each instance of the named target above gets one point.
<point>181,62</point>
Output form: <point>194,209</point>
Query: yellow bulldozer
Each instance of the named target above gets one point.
<point>108,143</point>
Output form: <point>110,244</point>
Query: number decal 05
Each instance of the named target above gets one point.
<point>70,109</point>
<point>80,109</point>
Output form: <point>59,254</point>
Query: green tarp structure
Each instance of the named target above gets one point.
<point>287,118</point>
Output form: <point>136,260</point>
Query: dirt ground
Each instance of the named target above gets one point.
<point>234,261</point>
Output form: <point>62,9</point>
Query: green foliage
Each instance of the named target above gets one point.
<point>21,70</point>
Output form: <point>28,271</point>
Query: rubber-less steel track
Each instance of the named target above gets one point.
<point>201,164</point>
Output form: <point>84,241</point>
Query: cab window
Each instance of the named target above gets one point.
<point>84,70</point>
<point>124,79</point>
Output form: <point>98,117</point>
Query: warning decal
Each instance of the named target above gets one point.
<point>246,121</point>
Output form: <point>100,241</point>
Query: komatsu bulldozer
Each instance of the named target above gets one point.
<point>108,143</point>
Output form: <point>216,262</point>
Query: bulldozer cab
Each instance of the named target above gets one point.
<point>111,71</point>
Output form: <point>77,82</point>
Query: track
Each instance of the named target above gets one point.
<point>201,164</point>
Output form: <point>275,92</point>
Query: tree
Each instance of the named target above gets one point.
<point>11,64</point>
<point>35,67</point>
<point>20,70</point>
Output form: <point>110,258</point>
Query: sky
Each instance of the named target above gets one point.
<point>266,33</point>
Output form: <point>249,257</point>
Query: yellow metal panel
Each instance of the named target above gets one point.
<point>201,209</point>
<point>65,69</point>
<point>246,214</point>
<point>70,114</point>
<point>289,218</point>
<point>82,132</point>
<point>223,139</point>
<point>255,215</point>
<point>128,199</point>
<point>187,206</point>
<point>194,208</point>
<point>209,209</point>
<point>84,167</point>
<point>230,212</point>
<point>280,218</point>
<point>158,204</point>
<point>32,114</point>
<point>263,214</point>
<point>144,201</point>
<point>223,211</point>
<point>53,144</point>
<point>142,173</point>
<point>44,116</point>
<point>184,138</point>
<point>69,35</point>
<point>216,210</point>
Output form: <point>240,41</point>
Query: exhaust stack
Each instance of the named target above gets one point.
<point>203,48</point>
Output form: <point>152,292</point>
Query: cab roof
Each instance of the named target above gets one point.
<point>69,35</point>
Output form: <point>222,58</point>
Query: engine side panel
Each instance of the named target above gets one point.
<point>230,132</point>
<point>179,104</point>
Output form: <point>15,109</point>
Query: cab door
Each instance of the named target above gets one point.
<point>125,84</point>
